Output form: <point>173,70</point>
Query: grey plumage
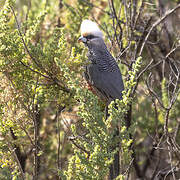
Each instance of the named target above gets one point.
<point>103,73</point>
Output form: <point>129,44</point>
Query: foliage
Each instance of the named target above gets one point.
<point>50,122</point>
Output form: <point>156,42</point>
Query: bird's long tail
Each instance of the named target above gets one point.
<point>114,169</point>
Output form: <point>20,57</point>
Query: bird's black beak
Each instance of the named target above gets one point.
<point>82,39</point>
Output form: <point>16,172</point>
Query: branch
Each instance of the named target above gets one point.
<point>58,112</point>
<point>37,72</point>
<point>25,46</point>
<point>36,123</point>
<point>94,6</point>
<point>72,139</point>
<point>157,23</point>
<point>153,93</point>
<point>17,160</point>
<point>21,156</point>
<point>54,79</point>
<point>145,69</point>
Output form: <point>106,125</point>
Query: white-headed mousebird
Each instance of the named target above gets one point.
<point>102,74</point>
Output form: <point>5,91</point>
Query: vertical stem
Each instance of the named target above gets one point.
<point>17,160</point>
<point>114,169</point>
<point>59,110</point>
<point>59,140</point>
<point>35,150</point>
<point>36,120</point>
<point>166,121</point>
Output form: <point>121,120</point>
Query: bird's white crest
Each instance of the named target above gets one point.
<point>89,27</point>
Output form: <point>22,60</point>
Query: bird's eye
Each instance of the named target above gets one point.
<point>89,37</point>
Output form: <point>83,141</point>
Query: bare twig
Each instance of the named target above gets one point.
<point>166,121</point>
<point>17,160</point>
<point>58,112</point>
<point>145,69</point>
<point>36,121</point>
<point>156,166</point>
<point>148,160</point>
<point>170,158</point>
<point>173,50</point>
<point>97,7</point>
<point>157,23</point>
<point>128,169</point>
<point>153,93</point>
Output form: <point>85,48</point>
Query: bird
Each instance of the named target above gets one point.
<point>102,74</point>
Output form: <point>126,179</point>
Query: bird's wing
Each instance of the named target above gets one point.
<point>89,75</point>
<point>110,84</point>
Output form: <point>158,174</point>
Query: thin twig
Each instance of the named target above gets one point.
<point>79,147</point>
<point>153,93</point>
<point>21,36</point>
<point>145,69</point>
<point>56,81</point>
<point>157,23</point>
<point>97,7</point>
<point>37,72</point>
<point>58,112</point>
<point>17,160</point>
<point>173,50</point>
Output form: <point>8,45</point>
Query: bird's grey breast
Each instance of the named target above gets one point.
<point>104,73</point>
<point>99,54</point>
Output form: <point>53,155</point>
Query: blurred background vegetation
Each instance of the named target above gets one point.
<point>51,126</point>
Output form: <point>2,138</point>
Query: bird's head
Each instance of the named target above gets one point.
<point>89,30</point>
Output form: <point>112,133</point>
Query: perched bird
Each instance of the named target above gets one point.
<point>102,74</point>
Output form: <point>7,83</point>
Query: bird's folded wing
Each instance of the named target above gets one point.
<point>109,83</point>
